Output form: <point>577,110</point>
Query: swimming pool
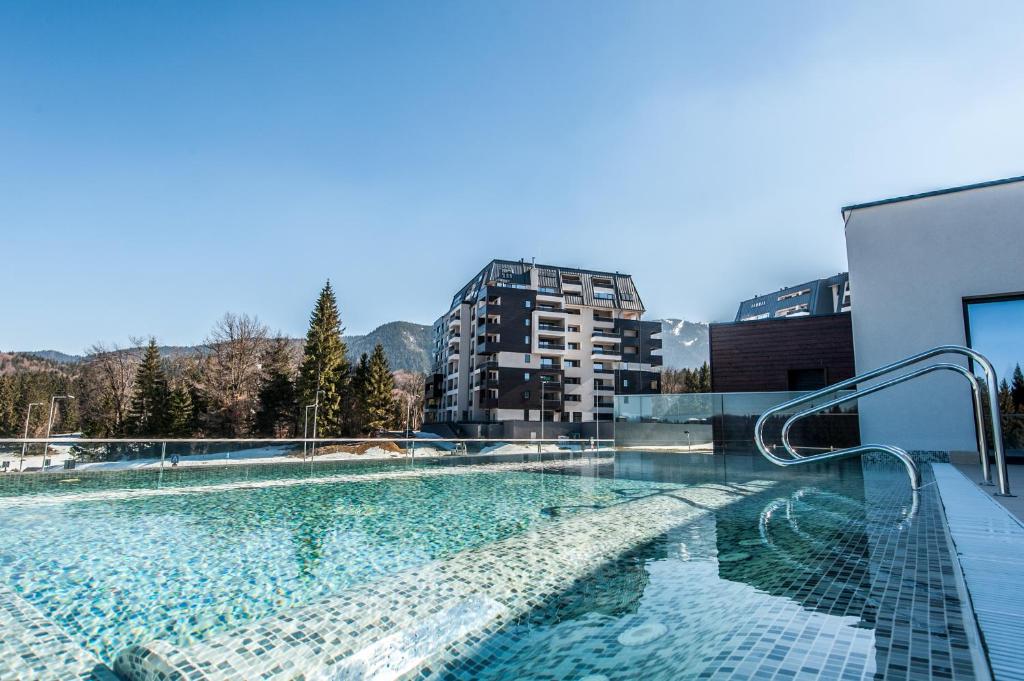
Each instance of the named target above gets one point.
<point>641,565</point>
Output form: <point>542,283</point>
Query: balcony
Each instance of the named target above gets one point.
<point>555,328</point>
<point>599,336</point>
<point>606,353</point>
<point>604,388</point>
<point>491,364</point>
<point>550,310</point>
<point>548,346</point>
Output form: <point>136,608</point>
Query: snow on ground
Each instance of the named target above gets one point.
<point>58,453</point>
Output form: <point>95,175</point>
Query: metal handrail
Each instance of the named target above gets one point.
<point>901,454</point>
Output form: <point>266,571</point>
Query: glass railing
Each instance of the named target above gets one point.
<point>88,455</point>
<point>724,422</point>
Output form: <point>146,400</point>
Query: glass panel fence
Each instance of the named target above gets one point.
<point>724,422</point>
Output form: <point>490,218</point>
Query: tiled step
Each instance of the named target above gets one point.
<point>33,647</point>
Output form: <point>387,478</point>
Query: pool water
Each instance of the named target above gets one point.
<point>121,566</point>
<point>831,572</point>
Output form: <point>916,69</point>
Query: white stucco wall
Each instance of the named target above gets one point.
<point>911,265</point>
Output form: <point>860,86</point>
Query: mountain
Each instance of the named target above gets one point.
<point>406,344</point>
<point>684,344</point>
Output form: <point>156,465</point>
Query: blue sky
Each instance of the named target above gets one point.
<point>162,163</point>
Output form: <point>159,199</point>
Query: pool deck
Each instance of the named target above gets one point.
<point>1014,504</point>
<point>989,542</point>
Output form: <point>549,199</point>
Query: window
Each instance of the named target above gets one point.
<point>625,383</point>
<point>604,295</point>
<point>526,394</point>
<point>572,363</point>
<point>794,294</point>
<point>548,289</point>
<point>574,346</point>
<point>527,304</point>
<point>526,358</point>
<point>526,414</point>
<point>807,379</point>
<point>526,339</point>
<point>995,328</point>
<point>572,380</point>
<point>629,350</point>
<point>654,385</point>
<point>574,329</point>
<point>526,322</point>
<point>526,375</point>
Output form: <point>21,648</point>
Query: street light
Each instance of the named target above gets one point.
<point>316,408</point>
<point>49,424</point>
<point>305,430</point>
<point>687,440</point>
<point>28,415</point>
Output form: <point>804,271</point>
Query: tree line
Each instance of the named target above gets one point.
<point>696,380</point>
<point>1011,404</point>
<point>245,382</point>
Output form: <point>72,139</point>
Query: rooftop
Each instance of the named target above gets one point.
<point>936,192</point>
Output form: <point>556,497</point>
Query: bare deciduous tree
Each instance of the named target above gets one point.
<point>104,389</point>
<point>232,372</point>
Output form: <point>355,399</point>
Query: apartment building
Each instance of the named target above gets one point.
<point>818,297</point>
<point>522,342</point>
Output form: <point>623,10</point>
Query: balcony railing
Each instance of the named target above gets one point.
<point>550,346</point>
<point>551,327</point>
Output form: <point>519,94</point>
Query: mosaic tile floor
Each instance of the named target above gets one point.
<point>817,584</point>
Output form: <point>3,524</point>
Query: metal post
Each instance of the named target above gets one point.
<point>316,409</point>
<point>305,430</point>
<point>163,456</point>
<point>49,425</point>
<point>24,445</point>
<point>541,443</point>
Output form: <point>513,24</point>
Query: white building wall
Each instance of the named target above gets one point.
<point>911,265</point>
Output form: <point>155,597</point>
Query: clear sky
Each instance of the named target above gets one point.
<point>997,330</point>
<point>164,162</point>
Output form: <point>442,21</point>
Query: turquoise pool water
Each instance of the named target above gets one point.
<point>121,565</point>
<point>752,571</point>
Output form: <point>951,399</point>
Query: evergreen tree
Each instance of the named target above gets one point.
<point>150,406</point>
<point>181,419</point>
<point>325,367</point>
<point>379,401</point>
<point>275,415</point>
<point>360,381</point>
<point>1017,390</point>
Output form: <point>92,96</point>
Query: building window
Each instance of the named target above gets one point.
<point>526,358</point>
<point>526,375</point>
<point>574,346</point>
<point>548,289</point>
<point>625,383</point>
<point>526,304</point>
<point>601,295</point>
<point>526,414</point>
<point>526,394</point>
<point>526,339</point>
<point>574,329</point>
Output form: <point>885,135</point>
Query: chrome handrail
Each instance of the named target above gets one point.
<point>899,453</point>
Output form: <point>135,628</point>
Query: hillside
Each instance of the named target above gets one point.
<point>405,343</point>
<point>407,346</point>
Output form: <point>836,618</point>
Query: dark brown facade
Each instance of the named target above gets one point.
<point>796,353</point>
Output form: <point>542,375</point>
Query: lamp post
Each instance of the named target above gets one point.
<point>316,409</point>
<point>49,424</point>
<point>28,415</point>
<point>305,429</point>
<point>688,444</point>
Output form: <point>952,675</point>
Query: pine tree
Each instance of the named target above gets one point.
<point>150,406</point>
<point>360,381</point>
<point>379,392</point>
<point>181,419</point>
<point>1017,390</point>
<point>275,415</point>
<point>325,367</point>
